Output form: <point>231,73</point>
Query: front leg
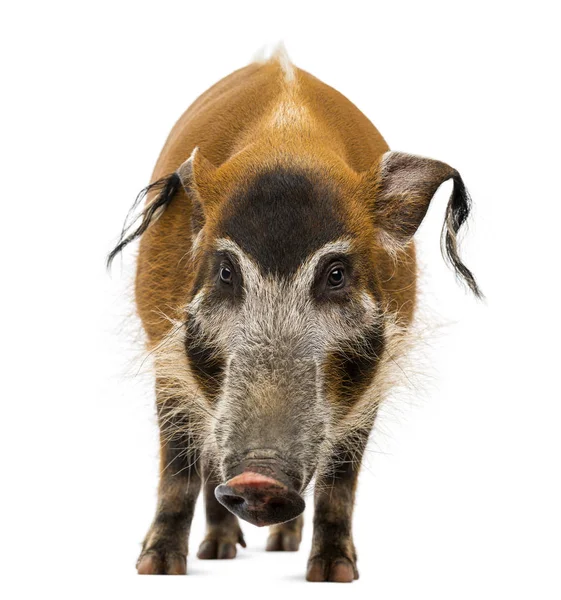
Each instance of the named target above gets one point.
<point>165,547</point>
<point>333,555</point>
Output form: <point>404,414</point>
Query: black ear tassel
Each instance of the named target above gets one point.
<point>457,212</point>
<point>167,187</point>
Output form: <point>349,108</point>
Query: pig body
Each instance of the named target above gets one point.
<point>276,281</point>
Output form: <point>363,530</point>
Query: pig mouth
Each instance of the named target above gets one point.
<point>259,499</point>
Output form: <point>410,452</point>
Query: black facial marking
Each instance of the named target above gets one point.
<point>282,217</point>
<point>226,279</point>
<point>205,360</point>
<point>209,275</point>
<point>354,368</point>
<point>322,289</point>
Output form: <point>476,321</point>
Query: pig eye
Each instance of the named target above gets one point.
<point>226,274</point>
<point>336,277</point>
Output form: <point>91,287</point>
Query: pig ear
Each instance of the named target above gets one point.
<point>197,176</point>
<point>403,189</point>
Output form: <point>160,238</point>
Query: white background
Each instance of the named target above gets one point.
<point>460,497</point>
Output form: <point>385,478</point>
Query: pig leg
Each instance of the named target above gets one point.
<point>286,536</point>
<point>333,555</point>
<point>223,529</point>
<point>164,551</point>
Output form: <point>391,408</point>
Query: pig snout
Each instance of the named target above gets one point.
<point>259,499</point>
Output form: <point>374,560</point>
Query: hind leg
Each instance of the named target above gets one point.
<point>286,536</point>
<point>223,529</point>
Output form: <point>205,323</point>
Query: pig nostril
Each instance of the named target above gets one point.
<point>259,499</point>
<point>233,500</point>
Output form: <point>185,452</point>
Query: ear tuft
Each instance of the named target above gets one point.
<point>166,187</point>
<point>457,213</point>
<point>194,174</point>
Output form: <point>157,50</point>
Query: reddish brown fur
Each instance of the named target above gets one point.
<point>256,118</point>
<point>342,140</point>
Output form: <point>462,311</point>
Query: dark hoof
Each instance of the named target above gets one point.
<point>283,541</point>
<point>216,546</point>
<point>337,569</point>
<point>154,562</point>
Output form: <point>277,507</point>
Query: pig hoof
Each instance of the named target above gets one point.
<point>154,562</point>
<point>338,569</point>
<point>286,541</point>
<point>285,536</point>
<point>216,546</point>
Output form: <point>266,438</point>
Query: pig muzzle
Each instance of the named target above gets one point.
<point>260,499</point>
